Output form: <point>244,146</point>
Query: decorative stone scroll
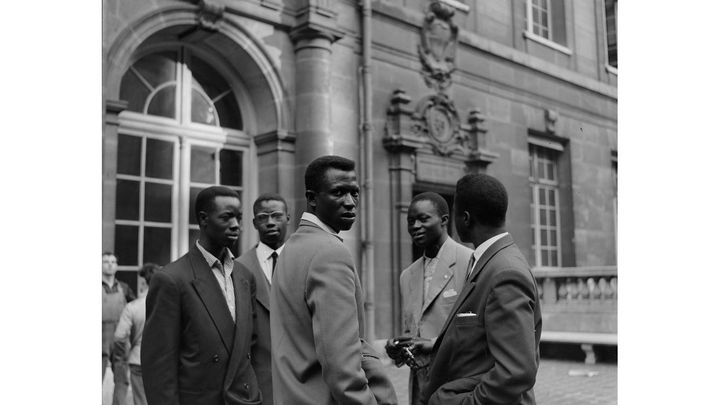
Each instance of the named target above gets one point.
<point>209,14</point>
<point>438,41</point>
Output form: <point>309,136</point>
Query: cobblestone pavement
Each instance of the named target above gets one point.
<point>558,383</point>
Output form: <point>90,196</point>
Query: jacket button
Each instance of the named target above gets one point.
<point>248,355</point>
<point>247,387</point>
<point>215,358</point>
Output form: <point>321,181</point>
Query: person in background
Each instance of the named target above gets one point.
<point>428,287</point>
<point>129,332</point>
<point>489,349</point>
<point>115,295</point>
<point>270,218</point>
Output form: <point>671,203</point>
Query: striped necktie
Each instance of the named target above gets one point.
<point>470,268</point>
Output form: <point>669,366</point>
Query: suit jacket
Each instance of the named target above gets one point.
<point>488,349</point>
<point>261,349</point>
<point>192,352</point>
<point>425,319</point>
<point>316,322</point>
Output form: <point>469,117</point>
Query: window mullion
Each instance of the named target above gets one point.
<point>141,209</point>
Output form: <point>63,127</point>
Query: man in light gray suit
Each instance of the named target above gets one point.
<point>316,302</point>
<point>270,218</point>
<point>429,286</point>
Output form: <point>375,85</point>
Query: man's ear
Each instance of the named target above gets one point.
<point>202,218</point>
<point>444,220</point>
<point>311,197</point>
<point>466,218</point>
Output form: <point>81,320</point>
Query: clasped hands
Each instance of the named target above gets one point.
<point>403,350</point>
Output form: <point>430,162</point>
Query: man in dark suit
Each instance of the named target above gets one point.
<point>270,218</point>
<point>200,316</point>
<point>488,350</point>
<point>316,302</point>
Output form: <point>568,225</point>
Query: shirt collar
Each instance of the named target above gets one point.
<point>486,245</point>
<point>211,260</point>
<point>265,251</point>
<point>315,220</point>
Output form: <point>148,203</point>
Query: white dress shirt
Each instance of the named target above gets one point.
<point>222,273</point>
<point>481,249</point>
<point>264,256</point>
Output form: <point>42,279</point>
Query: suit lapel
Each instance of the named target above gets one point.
<point>475,273</point>
<point>440,279</point>
<point>212,297</point>
<point>242,291</point>
<point>262,294</point>
<point>416,285</point>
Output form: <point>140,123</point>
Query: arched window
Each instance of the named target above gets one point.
<point>182,131</point>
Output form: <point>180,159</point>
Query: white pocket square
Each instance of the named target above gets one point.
<point>464,314</point>
<point>449,293</point>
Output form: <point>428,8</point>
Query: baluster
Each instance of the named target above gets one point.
<point>572,289</point>
<point>595,293</point>
<point>613,287</point>
<point>584,290</point>
<point>562,291</point>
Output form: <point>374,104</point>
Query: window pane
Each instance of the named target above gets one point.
<point>553,238</point>
<point>133,91</point>
<point>126,244</point>
<point>127,200</point>
<point>551,217</point>
<point>163,103</point>
<point>230,167</point>
<point>229,112</point>
<point>543,216</point>
<point>128,160</point>
<point>545,258</point>
<point>541,169</point>
<point>158,68</point>
<point>156,245</point>
<point>193,195</point>
<point>551,171</point>
<point>551,197</point>
<point>553,258</point>
<point>544,237</point>
<point>202,111</point>
<point>202,165</point>
<point>159,159</point>
<point>541,194</point>
<point>558,21</point>
<point>158,202</point>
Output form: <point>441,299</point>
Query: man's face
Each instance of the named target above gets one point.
<point>109,265</point>
<point>460,226</point>
<point>271,221</point>
<point>221,225</point>
<point>425,225</point>
<point>337,200</point>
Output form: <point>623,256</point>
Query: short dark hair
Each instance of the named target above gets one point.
<point>484,197</point>
<point>268,197</point>
<point>108,253</point>
<point>206,196</point>
<point>436,199</point>
<point>147,270</point>
<point>315,172</point>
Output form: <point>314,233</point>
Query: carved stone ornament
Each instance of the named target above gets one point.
<point>209,14</point>
<point>438,41</point>
<point>437,119</point>
<point>551,117</point>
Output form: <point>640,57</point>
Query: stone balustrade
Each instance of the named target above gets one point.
<point>578,299</point>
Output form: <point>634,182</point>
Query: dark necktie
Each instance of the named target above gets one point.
<point>470,268</point>
<point>274,256</point>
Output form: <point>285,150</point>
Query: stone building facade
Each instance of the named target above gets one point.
<point>246,93</point>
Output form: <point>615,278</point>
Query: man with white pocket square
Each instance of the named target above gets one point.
<point>428,287</point>
<point>488,350</point>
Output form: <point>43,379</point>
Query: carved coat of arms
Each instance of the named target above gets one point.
<point>438,41</point>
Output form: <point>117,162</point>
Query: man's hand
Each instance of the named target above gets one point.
<point>421,346</point>
<point>395,349</point>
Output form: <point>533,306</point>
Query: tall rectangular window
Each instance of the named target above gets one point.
<point>144,203</point>
<point>545,206</point>
<point>611,32</point>
<point>546,19</point>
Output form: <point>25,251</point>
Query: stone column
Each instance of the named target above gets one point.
<point>109,170</point>
<point>312,99</point>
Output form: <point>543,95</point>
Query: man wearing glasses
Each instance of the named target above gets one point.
<point>270,218</point>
